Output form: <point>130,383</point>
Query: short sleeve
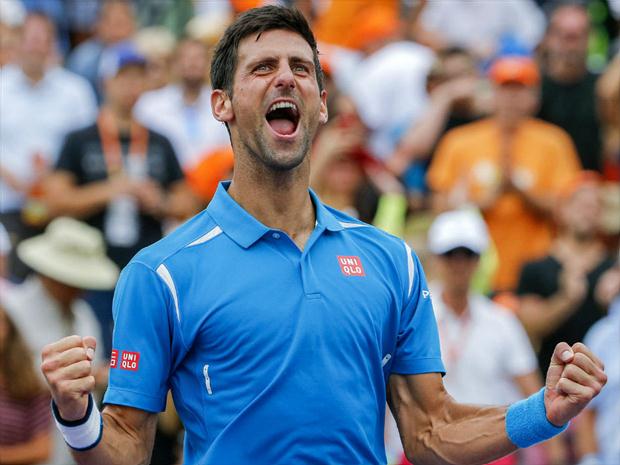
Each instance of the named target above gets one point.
<point>529,282</point>
<point>144,343</point>
<point>40,415</point>
<point>417,346</point>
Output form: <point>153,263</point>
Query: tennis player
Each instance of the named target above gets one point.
<point>281,325</point>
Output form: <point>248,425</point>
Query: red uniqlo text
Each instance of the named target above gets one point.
<point>129,360</point>
<point>351,266</point>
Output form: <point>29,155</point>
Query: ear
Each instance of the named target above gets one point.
<point>323,116</point>
<point>221,106</point>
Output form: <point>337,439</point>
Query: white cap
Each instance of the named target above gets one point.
<point>459,228</point>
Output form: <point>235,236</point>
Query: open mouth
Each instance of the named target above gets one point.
<point>283,118</point>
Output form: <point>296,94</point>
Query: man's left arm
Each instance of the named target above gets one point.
<point>436,430</point>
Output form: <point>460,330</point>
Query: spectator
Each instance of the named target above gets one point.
<point>608,95</point>
<point>121,177</point>
<point>456,97</point>
<point>116,24</point>
<point>25,420</point>
<point>510,165</point>
<point>348,178</point>
<point>598,429</point>
<point>182,111</point>
<point>33,121</point>
<point>557,291</point>
<point>157,44</point>
<point>568,88</point>
<point>67,258</point>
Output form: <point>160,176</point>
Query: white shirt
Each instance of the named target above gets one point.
<point>483,351</point>
<point>481,25</point>
<point>40,321</point>
<point>604,340</point>
<point>192,129</point>
<point>35,119</point>
<point>390,92</point>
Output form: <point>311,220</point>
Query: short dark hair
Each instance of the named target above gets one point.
<point>258,20</point>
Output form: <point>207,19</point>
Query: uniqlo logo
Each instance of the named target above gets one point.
<point>351,266</point>
<point>129,360</point>
<point>114,358</point>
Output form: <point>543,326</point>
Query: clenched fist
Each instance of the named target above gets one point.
<point>68,368</point>
<point>574,378</point>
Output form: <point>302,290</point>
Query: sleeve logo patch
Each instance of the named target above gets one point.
<point>351,266</point>
<point>114,358</point>
<point>128,360</point>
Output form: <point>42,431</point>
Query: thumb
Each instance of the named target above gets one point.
<point>562,355</point>
<point>90,344</point>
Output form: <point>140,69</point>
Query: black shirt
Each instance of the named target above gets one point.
<point>83,157</point>
<point>573,108</point>
<point>540,278</point>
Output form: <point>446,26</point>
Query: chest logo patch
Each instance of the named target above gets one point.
<point>351,266</point>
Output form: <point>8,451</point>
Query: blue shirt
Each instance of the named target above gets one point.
<point>273,355</point>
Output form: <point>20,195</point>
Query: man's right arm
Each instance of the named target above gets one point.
<point>127,433</point>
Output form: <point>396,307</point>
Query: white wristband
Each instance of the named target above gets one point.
<point>81,434</point>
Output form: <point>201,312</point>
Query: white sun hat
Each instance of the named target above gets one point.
<point>72,253</point>
<point>459,228</point>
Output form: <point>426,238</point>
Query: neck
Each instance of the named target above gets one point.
<point>122,117</point>
<point>508,124</point>
<point>191,91</point>
<point>456,300</point>
<point>33,73</point>
<point>278,200</point>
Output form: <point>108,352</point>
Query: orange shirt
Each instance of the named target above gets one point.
<point>467,166</point>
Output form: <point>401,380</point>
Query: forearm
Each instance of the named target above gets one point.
<point>464,435</point>
<point>34,451</point>
<point>79,201</point>
<point>542,316</point>
<point>119,445</point>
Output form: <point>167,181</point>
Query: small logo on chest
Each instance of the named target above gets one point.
<point>351,266</point>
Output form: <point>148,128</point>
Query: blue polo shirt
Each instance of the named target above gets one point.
<point>274,355</point>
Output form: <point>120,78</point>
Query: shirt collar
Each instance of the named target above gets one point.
<point>244,229</point>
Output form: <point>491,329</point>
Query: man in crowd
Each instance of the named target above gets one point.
<point>182,111</point>
<point>41,102</point>
<point>510,165</point>
<point>280,324</point>
<point>67,259</point>
<point>568,88</point>
<point>116,24</point>
<point>557,291</point>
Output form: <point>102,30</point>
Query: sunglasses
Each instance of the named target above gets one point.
<point>460,252</point>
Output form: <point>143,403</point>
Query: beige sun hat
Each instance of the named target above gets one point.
<point>72,253</point>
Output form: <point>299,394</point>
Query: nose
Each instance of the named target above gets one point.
<point>285,78</point>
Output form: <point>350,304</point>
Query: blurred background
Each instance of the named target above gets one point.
<point>485,133</point>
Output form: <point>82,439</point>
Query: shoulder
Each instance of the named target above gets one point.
<point>70,83</point>
<point>83,134</point>
<point>158,138</point>
<point>189,234</point>
<point>546,132</point>
<point>470,132</point>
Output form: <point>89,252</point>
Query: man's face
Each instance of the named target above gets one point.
<point>581,213</point>
<point>36,42</point>
<point>456,268</point>
<point>124,89</point>
<point>191,63</point>
<point>567,38</point>
<point>515,101</point>
<point>276,102</point>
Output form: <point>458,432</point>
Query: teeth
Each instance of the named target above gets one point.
<point>279,105</point>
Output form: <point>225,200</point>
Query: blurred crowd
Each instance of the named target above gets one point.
<point>486,134</point>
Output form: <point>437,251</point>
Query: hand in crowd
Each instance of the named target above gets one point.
<point>150,195</point>
<point>573,284</point>
<point>68,369</point>
<point>337,139</point>
<point>608,287</point>
<point>456,89</point>
<point>574,378</point>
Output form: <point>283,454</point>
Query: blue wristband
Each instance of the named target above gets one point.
<point>527,423</point>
